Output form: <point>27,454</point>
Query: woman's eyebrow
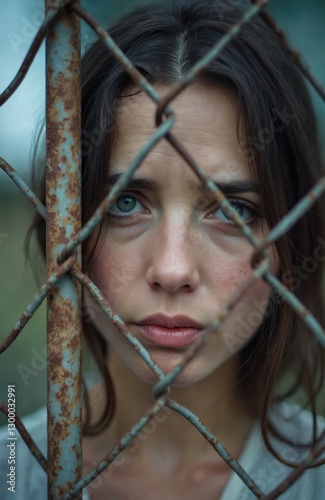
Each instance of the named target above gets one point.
<point>236,187</point>
<point>142,183</point>
<point>231,187</point>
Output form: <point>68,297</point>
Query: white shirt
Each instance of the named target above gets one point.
<point>31,481</point>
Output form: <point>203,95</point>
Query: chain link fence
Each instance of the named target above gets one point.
<point>65,236</point>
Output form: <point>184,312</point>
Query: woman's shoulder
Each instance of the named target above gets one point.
<point>28,479</point>
<point>295,424</point>
<point>35,420</point>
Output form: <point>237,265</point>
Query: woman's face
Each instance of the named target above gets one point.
<point>170,259</point>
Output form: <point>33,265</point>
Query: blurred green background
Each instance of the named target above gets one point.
<point>24,363</point>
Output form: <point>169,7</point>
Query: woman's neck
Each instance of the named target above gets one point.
<point>215,400</point>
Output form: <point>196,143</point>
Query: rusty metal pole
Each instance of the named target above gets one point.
<point>63,202</point>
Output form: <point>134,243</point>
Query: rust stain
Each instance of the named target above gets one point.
<point>64,318</point>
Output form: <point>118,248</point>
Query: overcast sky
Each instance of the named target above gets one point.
<point>18,25</point>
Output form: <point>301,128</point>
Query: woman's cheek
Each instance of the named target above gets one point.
<point>226,273</point>
<point>115,272</point>
<point>246,316</point>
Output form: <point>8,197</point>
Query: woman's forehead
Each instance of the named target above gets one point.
<point>206,124</point>
<point>197,102</point>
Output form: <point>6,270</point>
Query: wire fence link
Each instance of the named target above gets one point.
<point>65,236</point>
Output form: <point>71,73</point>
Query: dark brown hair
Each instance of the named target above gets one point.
<point>164,40</point>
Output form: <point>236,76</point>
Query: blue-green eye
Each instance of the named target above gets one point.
<point>247,211</point>
<point>126,204</point>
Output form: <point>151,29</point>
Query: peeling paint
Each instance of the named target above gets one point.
<point>63,195</point>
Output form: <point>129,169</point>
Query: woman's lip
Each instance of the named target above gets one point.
<point>169,337</point>
<point>171,322</point>
<point>169,331</point>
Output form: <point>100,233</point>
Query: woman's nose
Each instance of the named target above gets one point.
<point>174,259</point>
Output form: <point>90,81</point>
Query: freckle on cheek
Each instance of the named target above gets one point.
<point>237,272</point>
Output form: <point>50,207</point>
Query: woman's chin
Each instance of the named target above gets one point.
<point>192,373</point>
